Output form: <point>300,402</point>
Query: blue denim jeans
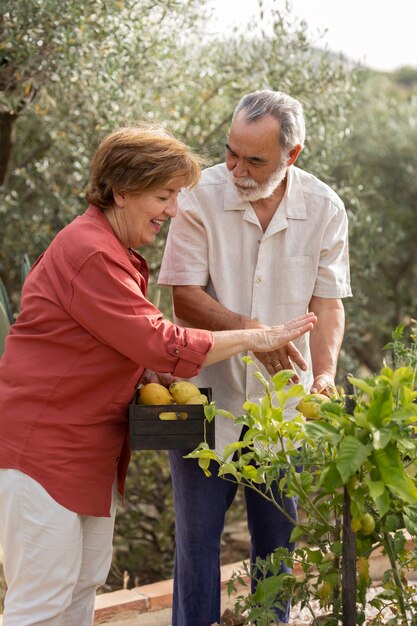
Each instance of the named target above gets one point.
<point>200,505</point>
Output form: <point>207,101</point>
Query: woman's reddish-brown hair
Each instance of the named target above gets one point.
<point>136,159</point>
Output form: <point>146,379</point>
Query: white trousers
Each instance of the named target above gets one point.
<point>54,559</point>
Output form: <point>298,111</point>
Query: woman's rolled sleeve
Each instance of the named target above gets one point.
<point>192,354</point>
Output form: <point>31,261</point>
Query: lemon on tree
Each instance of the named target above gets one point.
<point>367,524</point>
<point>309,406</point>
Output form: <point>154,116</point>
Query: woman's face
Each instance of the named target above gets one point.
<point>137,218</point>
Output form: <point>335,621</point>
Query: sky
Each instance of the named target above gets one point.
<point>378,33</point>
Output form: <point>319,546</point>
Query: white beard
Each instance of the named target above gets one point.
<point>251,191</point>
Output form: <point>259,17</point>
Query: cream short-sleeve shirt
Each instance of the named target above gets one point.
<point>216,241</point>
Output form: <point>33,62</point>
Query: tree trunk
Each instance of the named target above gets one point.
<point>349,546</point>
<point>7,121</point>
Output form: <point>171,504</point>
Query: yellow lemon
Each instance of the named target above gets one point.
<point>183,390</point>
<point>154,393</point>
<point>200,399</point>
<point>309,406</point>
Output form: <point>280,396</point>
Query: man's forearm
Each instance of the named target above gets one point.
<point>327,336</point>
<point>197,308</point>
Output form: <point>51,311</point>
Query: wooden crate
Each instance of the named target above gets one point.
<point>148,432</point>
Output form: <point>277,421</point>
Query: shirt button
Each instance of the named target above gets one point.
<point>259,279</point>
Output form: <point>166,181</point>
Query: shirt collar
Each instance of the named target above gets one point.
<point>232,200</point>
<point>293,201</point>
<point>293,204</point>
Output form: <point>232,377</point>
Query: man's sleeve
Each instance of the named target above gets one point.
<point>333,276</point>
<point>185,260</point>
<point>107,301</point>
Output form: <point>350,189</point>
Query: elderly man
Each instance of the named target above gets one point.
<point>258,241</point>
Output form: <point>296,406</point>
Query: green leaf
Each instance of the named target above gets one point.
<point>402,376</point>
<point>277,414</point>
<point>249,472</point>
<point>330,479</point>
<point>315,556</point>
<point>376,488</point>
<point>361,419</point>
<point>381,438</point>
<point>223,413</point>
<point>280,379</point>
<point>204,464</point>
<point>210,411</point>
<point>392,522</point>
<point>265,406</point>
<point>391,468</point>
<point>203,454</point>
<point>269,588</point>
<point>362,385</point>
<point>352,453</point>
<point>296,391</point>
<point>228,468</point>
<point>282,398</point>
<point>253,409</point>
<point>410,520</point>
<point>252,435</point>
<point>297,534</point>
<point>319,430</point>
<point>387,372</point>
<point>381,406</point>
<point>406,412</point>
<point>337,548</point>
<point>383,503</point>
<point>231,448</point>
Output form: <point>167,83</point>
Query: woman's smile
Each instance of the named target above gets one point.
<point>137,218</point>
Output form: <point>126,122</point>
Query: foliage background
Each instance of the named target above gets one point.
<point>71,72</point>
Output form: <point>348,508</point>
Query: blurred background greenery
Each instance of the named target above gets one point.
<point>70,72</point>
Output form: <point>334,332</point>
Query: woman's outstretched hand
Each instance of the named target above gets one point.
<point>227,343</point>
<point>276,337</point>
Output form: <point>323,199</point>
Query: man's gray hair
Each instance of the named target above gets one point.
<point>287,110</point>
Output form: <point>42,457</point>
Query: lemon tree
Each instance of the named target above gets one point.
<point>360,448</point>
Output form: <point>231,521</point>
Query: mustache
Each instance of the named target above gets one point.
<point>246,183</point>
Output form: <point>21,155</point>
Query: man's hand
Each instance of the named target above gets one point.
<point>324,383</point>
<point>325,342</point>
<point>283,359</point>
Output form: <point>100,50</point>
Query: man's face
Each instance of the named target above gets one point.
<point>256,163</point>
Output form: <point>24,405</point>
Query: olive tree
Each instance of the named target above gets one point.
<point>376,172</point>
<point>71,72</point>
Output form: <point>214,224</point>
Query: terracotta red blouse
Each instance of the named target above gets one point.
<point>73,359</point>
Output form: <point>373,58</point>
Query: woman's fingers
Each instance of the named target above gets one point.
<point>292,329</point>
<point>299,322</point>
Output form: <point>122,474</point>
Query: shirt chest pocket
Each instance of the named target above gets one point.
<point>294,280</point>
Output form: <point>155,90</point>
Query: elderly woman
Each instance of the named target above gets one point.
<point>82,342</point>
